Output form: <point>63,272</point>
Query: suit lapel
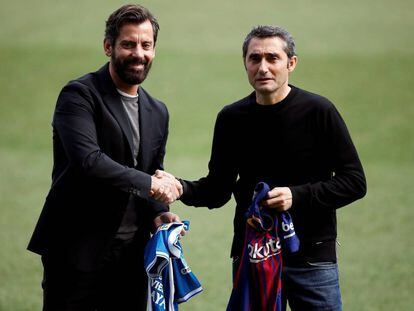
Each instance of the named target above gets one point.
<point>145,128</point>
<point>113,101</point>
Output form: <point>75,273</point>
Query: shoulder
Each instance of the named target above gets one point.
<point>237,108</point>
<point>310,97</point>
<point>313,101</point>
<point>94,84</point>
<point>320,109</point>
<point>154,103</point>
<point>87,91</point>
<point>84,86</point>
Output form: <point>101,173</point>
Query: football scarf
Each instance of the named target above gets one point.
<point>170,280</point>
<point>257,285</point>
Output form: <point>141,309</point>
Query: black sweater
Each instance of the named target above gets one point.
<point>301,143</point>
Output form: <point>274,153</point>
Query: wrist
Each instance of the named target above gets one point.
<point>155,184</point>
<point>185,187</point>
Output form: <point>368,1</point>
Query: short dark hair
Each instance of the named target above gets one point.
<point>268,31</point>
<point>129,14</point>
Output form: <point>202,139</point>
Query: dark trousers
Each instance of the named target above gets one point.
<point>120,284</point>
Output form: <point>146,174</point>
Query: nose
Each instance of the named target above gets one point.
<point>263,68</point>
<point>138,51</point>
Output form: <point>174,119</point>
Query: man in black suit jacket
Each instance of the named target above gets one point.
<point>109,137</point>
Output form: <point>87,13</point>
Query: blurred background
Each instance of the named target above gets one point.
<point>359,54</point>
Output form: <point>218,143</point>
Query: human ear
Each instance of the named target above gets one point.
<point>107,48</point>
<point>291,65</point>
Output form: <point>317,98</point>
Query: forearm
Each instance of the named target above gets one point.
<point>157,208</point>
<point>344,178</point>
<point>346,186</point>
<point>100,166</point>
<point>76,138</point>
<point>206,192</point>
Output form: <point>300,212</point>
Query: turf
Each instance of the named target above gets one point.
<point>358,54</point>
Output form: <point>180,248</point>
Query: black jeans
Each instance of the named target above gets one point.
<point>120,284</point>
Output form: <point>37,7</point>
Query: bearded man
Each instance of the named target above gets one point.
<point>109,137</point>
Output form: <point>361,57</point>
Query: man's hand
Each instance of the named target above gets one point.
<point>163,174</point>
<point>166,218</point>
<point>165,187</point>
<point>279,198</point>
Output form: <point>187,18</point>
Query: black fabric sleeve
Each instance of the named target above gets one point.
<point>347,183</point>
<point>74,123</point>
<point>216,188</point>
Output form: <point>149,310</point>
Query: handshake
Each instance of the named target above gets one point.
<point>165,187</point>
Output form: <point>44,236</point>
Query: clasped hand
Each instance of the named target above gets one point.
<point>279,198</point>
<point>165,187</point>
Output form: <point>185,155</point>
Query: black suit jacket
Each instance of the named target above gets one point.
<point>93,174</point>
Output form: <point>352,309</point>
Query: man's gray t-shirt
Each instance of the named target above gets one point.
<point>131,107</point>
<point>129,225</point>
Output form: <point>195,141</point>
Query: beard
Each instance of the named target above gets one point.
<point>127,74</point>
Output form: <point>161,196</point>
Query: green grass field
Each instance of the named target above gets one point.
<point>360,54</point>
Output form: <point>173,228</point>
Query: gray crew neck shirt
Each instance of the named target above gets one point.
<point>132,109</point>
<point>129,224</point>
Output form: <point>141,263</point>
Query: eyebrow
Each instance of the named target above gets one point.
<point>266,54</point>
<point>134,40</point>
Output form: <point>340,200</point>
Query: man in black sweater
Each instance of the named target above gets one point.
<point>296,142</point>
